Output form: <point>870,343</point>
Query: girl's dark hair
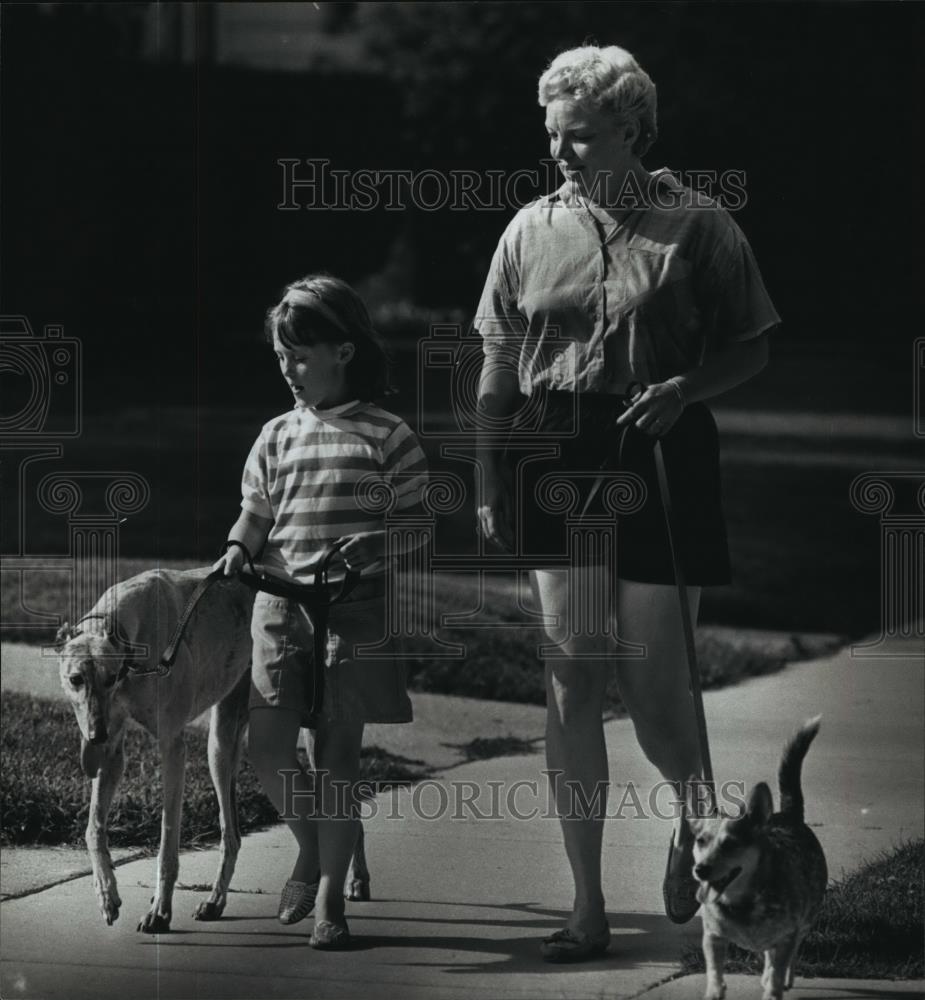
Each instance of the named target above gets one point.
<point>320,308</point>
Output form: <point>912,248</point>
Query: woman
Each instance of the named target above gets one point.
<point>648,283</point>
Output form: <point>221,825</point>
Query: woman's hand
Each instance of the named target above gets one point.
<point>363,549</point>
<point>656,410</point>
<point>494,517</point>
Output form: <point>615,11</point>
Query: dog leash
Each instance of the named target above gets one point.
<point>613,461</point>
<point>316,597</point>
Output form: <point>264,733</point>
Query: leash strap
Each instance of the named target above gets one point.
<point>316,597</point>
<point>614,460</point>
<point>170,653</point>
<point>687,623</point>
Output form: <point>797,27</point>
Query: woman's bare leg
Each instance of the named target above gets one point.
<point>656,688</point>
<point>576,754</point>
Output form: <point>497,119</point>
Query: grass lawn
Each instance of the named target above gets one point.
<point>870,926</point>
<point>45,798</point>
<point>499,658</point>
<point>804,559</point>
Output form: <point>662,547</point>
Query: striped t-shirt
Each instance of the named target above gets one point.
<point>322,474</point>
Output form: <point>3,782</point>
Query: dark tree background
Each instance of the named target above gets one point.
<point>140,192</point>
<point>140,196</point>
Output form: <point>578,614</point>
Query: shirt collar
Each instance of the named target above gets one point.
<point>324,413</point>
<point>568,194</point>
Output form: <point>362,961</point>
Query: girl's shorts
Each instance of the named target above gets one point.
<point>691,453</point>
<point>361,685</point>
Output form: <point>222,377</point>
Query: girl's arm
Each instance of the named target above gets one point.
<point>250,530</point>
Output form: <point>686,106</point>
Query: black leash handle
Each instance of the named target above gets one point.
<point>316,598</point>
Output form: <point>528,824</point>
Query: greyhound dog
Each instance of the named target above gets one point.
<point>108,672</point>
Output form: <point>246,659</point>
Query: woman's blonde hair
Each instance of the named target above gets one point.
<point>610,80</point>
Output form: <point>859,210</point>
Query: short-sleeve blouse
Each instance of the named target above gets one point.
<point>576,305</point>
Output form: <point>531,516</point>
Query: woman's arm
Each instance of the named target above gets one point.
<point>656,410</point>
<point>250,530</point>
<point>724,370</point>
<point>499,399</point>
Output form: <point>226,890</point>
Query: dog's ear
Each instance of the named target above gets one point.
<point>760,805</point>
<point>64,634</point>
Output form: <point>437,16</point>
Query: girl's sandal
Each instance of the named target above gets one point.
<point>297,900</point>
<point>328,936</point>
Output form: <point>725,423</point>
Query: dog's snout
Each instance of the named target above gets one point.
<point>702,872</point>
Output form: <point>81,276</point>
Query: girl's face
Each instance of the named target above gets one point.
<point>589,148</point>
<point>315,373</point>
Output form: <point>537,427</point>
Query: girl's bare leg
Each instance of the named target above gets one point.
<point>272,740</point>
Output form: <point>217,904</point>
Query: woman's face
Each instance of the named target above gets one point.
<point>590,148</point>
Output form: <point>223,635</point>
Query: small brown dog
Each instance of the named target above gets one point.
<point>762,876</point>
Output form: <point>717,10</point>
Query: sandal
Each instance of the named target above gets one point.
<point>573,946</point>
<point>330,937</point>
<point>297,900</point>
<point>679,890</point>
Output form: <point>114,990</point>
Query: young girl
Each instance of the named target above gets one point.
<point>299,490</point>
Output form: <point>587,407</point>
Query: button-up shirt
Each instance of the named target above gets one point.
<point>578,302</point>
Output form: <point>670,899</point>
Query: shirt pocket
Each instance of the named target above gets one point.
<point>661,316</point>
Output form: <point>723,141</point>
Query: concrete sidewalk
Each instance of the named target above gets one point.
<point>464,889</point>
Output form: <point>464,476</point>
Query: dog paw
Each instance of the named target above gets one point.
<point>357,891</point>
<point>154,923</point>
<point>208,910</point>
<point>109,904</point>
<point>716,988</point>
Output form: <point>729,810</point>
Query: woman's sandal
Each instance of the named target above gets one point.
<point>573,946</point>
<point>679,890</point>
<point>297,900</point>
<point>328,936</point>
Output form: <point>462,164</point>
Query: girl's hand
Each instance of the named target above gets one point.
<point>230,561</point>
<point>656,410</point>
<point>363,549</point>
<point>494,517</point>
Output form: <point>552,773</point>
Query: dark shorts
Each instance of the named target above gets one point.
<point>550,494</point>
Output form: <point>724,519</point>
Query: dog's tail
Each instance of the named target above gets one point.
<point>791,764</point>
